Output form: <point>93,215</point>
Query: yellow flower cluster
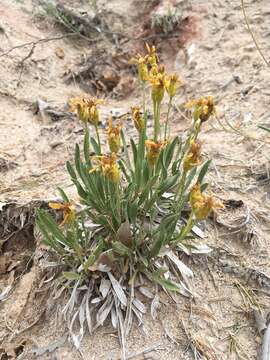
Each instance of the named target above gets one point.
<point>114,136</point>
<point>153,151</point>
<point>86,108</point>
<point>137,118</point>
<point>172,82</point>
<point>68,210</point>
<point>149,70</point>
<point>203,108</point>
<point>193,157</point>
<point>108,166</point>
<point>202,205</point>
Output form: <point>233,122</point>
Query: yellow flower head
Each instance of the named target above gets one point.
<point>202,205</point>
<point>108,166</point>
<point>68,210</point>
<point>153,151</point>
<point>86,108</point>
<point>193,157</point>
<point>158,85</point>
<point>114,136</point>
<point>141,62</point>
<point>137,118</point>
<point>172,82</point>
<point>152,55</point>
<point>204,107</point>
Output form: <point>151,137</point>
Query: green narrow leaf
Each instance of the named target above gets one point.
<point>168,155</point>
<point>203,171</point>
<point>78,161</point>
<point>140,158</point>
<point>125,148</point>
<point>69,275</point>
<point>132,210</point>
<point>134,151</point>
<point>204,187</point>
<point>52,226</point>
<point>71,170</point>
<point>190,177</point>
<point>168,225</point>
<point>80,190</point>
<point>158,243</point>
<point>145,194</point>
<point>75,181</point>
<point>95,145</point>
<point>86,147</point>
<point>95,254</point>
<point>264,128</point>
<point>120,249</point>
<point>89,262</point>
<point>167,184</point>
<point>63,195</point>
<point>47,238</point>
<point>123,168</point>
<point>146,171</point>
<point>176,166</point>
<point>100,187</point>
<point>167,284</point>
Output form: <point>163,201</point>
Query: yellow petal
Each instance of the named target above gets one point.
<point>56,206</point>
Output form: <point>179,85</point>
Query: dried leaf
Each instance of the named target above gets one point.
<point>75,338</point>
<point>154,306</point>
<point>124,234</point>
<point>88,313</point>
<point>138,314</point>
<point>104,311</point>
<point>114,318</point>
<point>68,308</point>
<point>184,270</point>
<point>104,287</point>
<point>197,231</point>
<point>4,294</point>
<point>201,249</point>
<point>184,290</point>
<point>266,345</point>
<point>139,305</point>
<point>118,289</point>
<point>82,314</point>
<point>96,300</point>
<point>146,292</point>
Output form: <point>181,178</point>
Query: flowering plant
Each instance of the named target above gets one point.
<point>129,228</point>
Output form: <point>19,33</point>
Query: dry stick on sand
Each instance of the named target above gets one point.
<point>21,63</point>
<point>39,41</point>
<point>252,35</point>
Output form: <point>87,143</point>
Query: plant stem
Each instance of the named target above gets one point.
<point>197,128</point>
<point>180,191</point>
<point>155,121</point>
<point>158,119</point>
<point>188,227</point>
<point>118,201</point>
<point>98,138</point>
<point>144,95</point>
<point>167,118</point>
<point>125,149</point>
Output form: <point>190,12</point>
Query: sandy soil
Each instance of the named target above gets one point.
<point>214,54</point>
